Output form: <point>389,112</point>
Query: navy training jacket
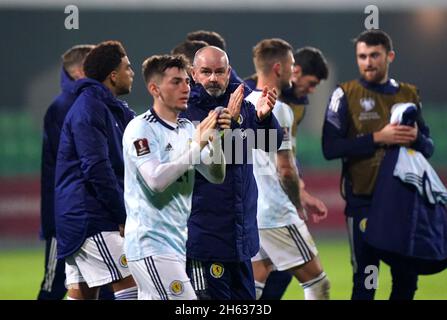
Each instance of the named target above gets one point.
<point>222,225</point>
<point>90,168</point>
<point>52,125</point>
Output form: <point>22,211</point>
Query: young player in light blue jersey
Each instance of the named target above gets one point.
<point>161,151</point>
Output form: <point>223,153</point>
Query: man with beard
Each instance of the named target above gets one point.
<point>222,228</point>
<point>89,203</point>
<point>286,243</point>
<point>357,130</point>
<point>309,69</point>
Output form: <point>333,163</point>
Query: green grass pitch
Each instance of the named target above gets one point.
<point>21,272</point>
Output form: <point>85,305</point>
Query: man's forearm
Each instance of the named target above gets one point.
<point>290,184</point>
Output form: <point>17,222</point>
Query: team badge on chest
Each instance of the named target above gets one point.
<point>367,104</point>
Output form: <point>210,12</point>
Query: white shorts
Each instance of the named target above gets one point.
<point>162,277</point>
<point>99,261</point>
<point>286,247</point>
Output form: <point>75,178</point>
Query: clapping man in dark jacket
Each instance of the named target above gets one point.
<point>222,228</point>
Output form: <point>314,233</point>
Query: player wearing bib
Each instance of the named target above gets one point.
<point>160,154</point>
<point>357,130</point>
<point>286,244</point>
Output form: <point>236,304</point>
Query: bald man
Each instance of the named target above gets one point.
<point>222,228</point>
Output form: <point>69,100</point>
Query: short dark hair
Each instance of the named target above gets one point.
<point>189,48</point>
<point>375,37</point>
<point>268,50</point>
<point>75,55</point>
<point>156,65</point>
<point>312,62</point>
<point>103,59</point>
<point>210,37</point>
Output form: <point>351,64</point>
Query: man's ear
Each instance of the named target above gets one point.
<point>112,76</point>
<point>391,55</point>
<point>153,89</point>
<point>277,69</point>
<point>193,73</point>
<point>76,72</point>
<point>297,71</point>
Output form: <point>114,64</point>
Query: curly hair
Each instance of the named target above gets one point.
<point>210,37</point>
<point>103,59</point>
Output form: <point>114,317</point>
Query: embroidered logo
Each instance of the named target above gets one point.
<point>217,270</point>
<point>367,104</point>
<point>123,261</point>
<point>362,224</point>
<point>168,147</point>
<point>142,147</point>
<point>367,114</point>
<point>176,287</point>
<point>240,119</point>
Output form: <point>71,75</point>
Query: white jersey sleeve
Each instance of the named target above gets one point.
<point>140,142</point>
<point>284,115</point>
<point>212,165</point>
<point>143,147</point>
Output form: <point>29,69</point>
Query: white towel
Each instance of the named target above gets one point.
<point>412,167</point>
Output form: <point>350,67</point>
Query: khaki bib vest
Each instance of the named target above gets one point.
<point>370,111</point>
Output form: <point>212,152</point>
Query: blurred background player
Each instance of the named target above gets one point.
<point>222,228</point>
<point>285,242</point>
<point>357,130</point>
<point>53,284</point>
<point>211,37</point>
<point>161,152</point>
<point>215,39</point>
<point>310,67</point>
<point>188,48</point>
<point>89,203</point>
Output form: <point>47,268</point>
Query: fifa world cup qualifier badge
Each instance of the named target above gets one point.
<point>217,270</point>
<point>142,147</point>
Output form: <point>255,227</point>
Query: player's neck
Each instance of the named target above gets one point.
<point>385,79</point>
<point>263,81</point>
<point>108,84</point>
<point>166,113</point>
